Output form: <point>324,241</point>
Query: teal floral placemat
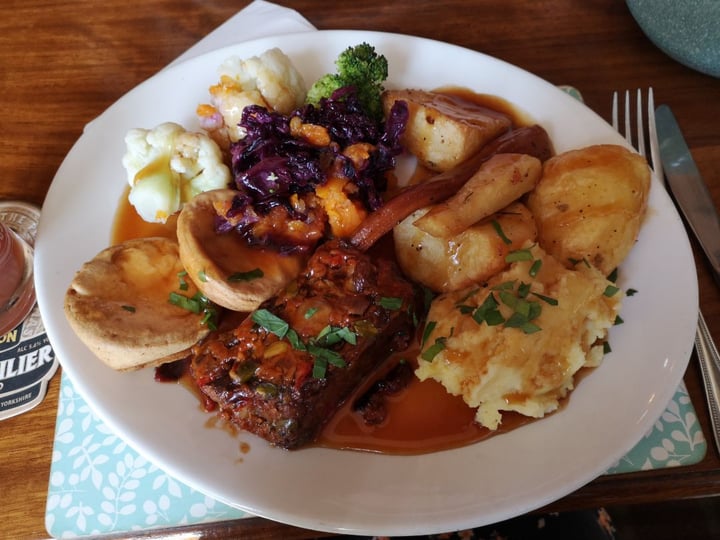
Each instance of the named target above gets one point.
<point>99,485</point>
<point>676,439</point>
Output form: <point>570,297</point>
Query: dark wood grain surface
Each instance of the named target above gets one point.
<point>63,63</point>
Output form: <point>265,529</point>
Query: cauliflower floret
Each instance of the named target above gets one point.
<point>167,166</point>
<point>269,80</point>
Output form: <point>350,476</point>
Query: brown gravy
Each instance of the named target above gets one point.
<point>421,418</point>
<point>488,101</point>
<point>128,224</point>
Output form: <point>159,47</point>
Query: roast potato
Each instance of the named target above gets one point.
<point>532,140</point>
<point>499,181</point>
<point>444,130</point>
<point>590,203</point>
<point>472,256</point>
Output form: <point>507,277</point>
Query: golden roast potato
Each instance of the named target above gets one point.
<point>499,181</point>
<point>590,203</point>
<point>444,130</point>
<point>471,256</point>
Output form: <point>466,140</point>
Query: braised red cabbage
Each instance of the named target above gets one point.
<point>269,164</point>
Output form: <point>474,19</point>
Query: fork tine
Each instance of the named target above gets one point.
<point>654,145</point>
<point>654,161</point>
<point>628,130</point>
<point>640,125</point>
<point>615,123</point>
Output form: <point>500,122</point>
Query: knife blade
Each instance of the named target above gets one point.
<point>693,197</point>
<point>687,186</point>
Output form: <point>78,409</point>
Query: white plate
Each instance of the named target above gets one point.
<point>353,492</point>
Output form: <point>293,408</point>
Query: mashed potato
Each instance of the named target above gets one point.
<point>528,369</point>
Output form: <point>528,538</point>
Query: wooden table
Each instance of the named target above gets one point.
<point>64,62</point>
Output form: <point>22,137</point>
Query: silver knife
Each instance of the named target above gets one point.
<point>688,187</point>
<point>693,198</point>
<point>710,370</point>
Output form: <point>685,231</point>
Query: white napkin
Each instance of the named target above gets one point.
<point>257,20</point>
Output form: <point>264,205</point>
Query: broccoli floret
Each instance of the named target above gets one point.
<point>359,66</point>
<point>323,88</point>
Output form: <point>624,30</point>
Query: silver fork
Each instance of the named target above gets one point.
<point>704,345</point>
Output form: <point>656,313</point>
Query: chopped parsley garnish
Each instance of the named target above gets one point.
<point>322,357</point>
<point>500,232</point>
<point>575,262</point>
<point>504,286</point>
<point>131,309</point>
<point>198,303</point>
<point>310,312</point>
<point>433,350</point>
<point>535,268</point>
<point>429,327</point>
<point>519,255</point>
<point>270,322</point>
<point>517,296</point>
<point>317,347</point>
<point>522,322</point>
<point>390,302</point>
<point>547,299</point>
<point>523,289</point>
<point>611,290</point>
<point>509,299</point>
<point>488,312</point>
<point>295,341</point>
<point>187,303</point>
<point>183,286</point>
<point>246,276</point>
<point>331,335</point>
<point>465,308</point>
<point>208,318</point>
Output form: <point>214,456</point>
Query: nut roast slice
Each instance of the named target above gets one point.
<point>284,371</point>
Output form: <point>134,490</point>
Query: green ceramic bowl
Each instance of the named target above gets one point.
<point>686,30</point>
